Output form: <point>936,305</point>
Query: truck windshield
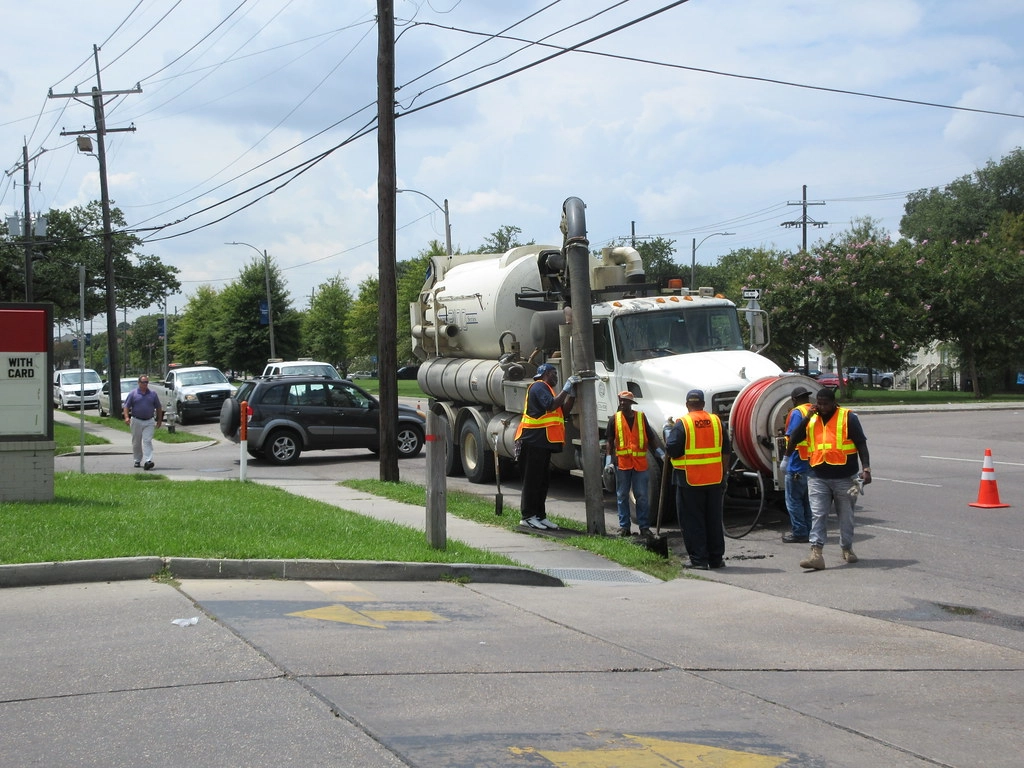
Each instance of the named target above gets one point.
<point>199,378</point>
<point>644,335</point>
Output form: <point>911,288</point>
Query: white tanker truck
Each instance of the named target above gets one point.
<point>484,322</point>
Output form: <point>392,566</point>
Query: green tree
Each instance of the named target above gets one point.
<point>193,335</point>
<point>854,293</point>
<point>74,237</point>
<point>411,275</point>
<point>968,206</point>
<point>324,331</point>
<point>243,344</point>
<point>967,280</point>
<point>362,323</point>
<point>504,239</point>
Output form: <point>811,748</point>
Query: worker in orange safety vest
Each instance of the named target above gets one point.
<point>699,448</point>
<point>628,438</point>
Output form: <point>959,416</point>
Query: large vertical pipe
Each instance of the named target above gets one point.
<point>577,256</point>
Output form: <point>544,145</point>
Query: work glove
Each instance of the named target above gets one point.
<point>607,461</point>
<point>570,383</point>
<point>660,453</point>
<point>784,464</point>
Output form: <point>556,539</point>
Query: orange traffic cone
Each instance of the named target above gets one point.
<point>988,491</point>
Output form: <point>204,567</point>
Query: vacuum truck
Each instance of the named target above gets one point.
<point>483,323</point>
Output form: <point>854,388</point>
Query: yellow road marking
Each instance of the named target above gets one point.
<point>373,619</point>
<point>659,753</point>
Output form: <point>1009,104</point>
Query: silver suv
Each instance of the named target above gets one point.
<point>864,376</point>
<point>286,415</point>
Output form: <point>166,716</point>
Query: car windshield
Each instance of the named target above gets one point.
<point>75,377</point>
<point>643,335</point>
<point>197,378</point>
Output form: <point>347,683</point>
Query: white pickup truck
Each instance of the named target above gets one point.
<point>190,394</point>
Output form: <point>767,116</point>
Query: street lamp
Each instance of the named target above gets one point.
<point>693,258</point>
<point>443,209</point>
<point>270,306</point>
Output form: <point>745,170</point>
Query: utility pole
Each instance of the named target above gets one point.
<point>804,220</point>
<point>101,130</point>
<point>29,230</point>
<point>387,189</point>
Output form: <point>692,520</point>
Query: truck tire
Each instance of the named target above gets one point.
<point>410,441</point>
<point>477,461</point>
<point>180,416</point>
<point>886,383</point>
<point>282,446</point>
<point>452,459</point>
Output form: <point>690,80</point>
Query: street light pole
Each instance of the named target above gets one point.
<point>270,305</point>
<point>693,257</point>
<point>443,209</point>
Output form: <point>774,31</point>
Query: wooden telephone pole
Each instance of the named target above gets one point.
<point>85,145</point>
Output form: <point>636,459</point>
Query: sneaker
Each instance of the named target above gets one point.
<point>551,525</point>
<point>138,464</point>
<point>849,557</point>
<point>533,522</point>
<point>792,538</point>
<point>148,465</point>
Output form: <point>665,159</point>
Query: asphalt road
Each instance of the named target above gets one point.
<point>912,657</point>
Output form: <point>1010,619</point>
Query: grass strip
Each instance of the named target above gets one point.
<point>110,515</point>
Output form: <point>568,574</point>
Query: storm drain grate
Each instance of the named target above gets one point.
<point>619,576</point>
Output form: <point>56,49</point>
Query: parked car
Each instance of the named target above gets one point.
<point>286,415</point>
<point>75,388</point>
<point>884,379</point>
<point>407,372</point>
<point>302,367</point>
<point>360,375</point>
<point>127,385</point>
<point>831,380</point>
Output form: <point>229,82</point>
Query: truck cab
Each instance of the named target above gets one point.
<point>193,393</point>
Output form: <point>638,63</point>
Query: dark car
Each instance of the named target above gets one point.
<point>407,372</point>
<point>287,415</point>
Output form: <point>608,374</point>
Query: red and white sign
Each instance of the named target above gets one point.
<point>25,397</point>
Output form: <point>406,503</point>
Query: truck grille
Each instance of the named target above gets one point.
<point>721,404</point>
<point>212,398</point>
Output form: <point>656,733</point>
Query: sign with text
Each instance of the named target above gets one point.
<point>26,333</point>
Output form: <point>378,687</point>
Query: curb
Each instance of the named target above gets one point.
<point>136,568</point>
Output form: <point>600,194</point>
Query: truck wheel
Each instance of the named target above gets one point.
<point>886,383</point>
<point>410,441</point>
<point>477,461</point>
<point>282,447</point>
<point>181,417</point>
<point>452,460</point>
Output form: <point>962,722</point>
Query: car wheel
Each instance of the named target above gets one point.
<point>60,402</point>
<point>282,447</point>
<point>477,461</point>
<point>254,453</point>
<point>230,417</point>
<point>180,416</point>
<point>886,383</point>
<point>410,441</point>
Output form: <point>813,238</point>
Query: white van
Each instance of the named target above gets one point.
<point>75,388</point>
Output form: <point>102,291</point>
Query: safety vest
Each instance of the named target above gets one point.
<point>830,443</point>
<point>702,457</point>
<point>631,444</point>
<point>801,447</point>
<point>552,421</point>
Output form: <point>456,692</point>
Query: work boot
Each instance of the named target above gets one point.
<point>814,561</point>
<point>849,557</point>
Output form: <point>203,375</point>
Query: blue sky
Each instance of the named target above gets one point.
<point>234,93</point>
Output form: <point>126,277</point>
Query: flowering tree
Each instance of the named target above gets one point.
<point>972,287</point>
<point>859,292</point>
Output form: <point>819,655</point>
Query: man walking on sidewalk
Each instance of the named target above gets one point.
<point>143,413</point>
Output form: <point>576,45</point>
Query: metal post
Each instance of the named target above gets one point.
<point>693,257</point>
<point>436,522</point>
